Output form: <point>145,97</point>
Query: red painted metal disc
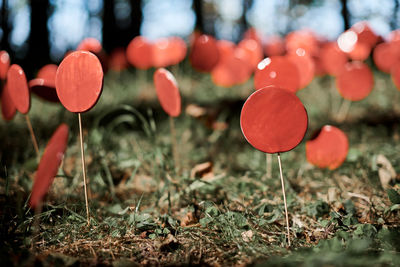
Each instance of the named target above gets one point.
<point>18,88</point>
<point>167,92</point>
<point>79,81</point>
<point>273,120</point>
<point>49,164</point>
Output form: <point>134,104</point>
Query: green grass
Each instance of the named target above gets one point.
<point>143,212</point>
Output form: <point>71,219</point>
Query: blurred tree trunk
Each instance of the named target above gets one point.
<point>198,10</point>
<point>5,45</point>
<point>345,15</point>
<point>393,21</point>
<point>119,33</point>
<point>244,25</point>
<point>38,41</point>
<point>109,25</point>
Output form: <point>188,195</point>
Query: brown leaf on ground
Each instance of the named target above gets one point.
<point>386,171</point>
<point>201,170</point>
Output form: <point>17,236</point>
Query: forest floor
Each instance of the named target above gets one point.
<point>218,207</point>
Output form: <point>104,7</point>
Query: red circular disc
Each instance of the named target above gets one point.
<point>360,51</point>
<point>273,120</point>
<point>396,74</point>
<point>278,71</point>
<point>177,50</point>
<point>117,61</point>
<point>49,164</point>
<point>332,58</point>
<point>45,89</point>
<point>253,50</point>
<point>4,64</point>
<point>275,46</point>
<point>18,88</point>
<point>328,149</point>
<point>162,53</point>
<point>167,92</point>
<point>204,54</point>
<point>305,66</point>
<point>48,72</point>
<point>302,39</point>
<point>233,70</point>
<point>365,34</point>
<point>8,108</point>
<point>90,44</point>
<point>79,81</point>
<point>140,53</point>
<point>355,81</point>
<point>385,56</point>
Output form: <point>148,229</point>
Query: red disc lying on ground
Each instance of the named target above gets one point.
<point>49,164</point>
<point>278,71</point>
<point>167,92</point>
<point>44,89</point>
<point>18,88</point>
<point>328,149</point>
<point>204,53</point>
<point>273,120</point>
<point>4,64</point>
<point>79,81</point>
<point>355,81</point>
<point>140,53</point>
<point>8,108</point>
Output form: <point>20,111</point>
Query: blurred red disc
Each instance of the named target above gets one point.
<point>8,108</point>
<point>225,49</point>
<point>45,89</point>
<point>305,66</point>
<point>328,149</point>
<point>18,88</point>
<point>332,58</point>
<point>204,54</point>
<point>275,46</point>
<point>48,72</point>
<point>278,71</point>
<point>252,34</point>
<point>385,56</point>
<point>4,64</point>
<point>140,53</point>
<point>167,92</point>
<point>79,81</point>
<point>360,51</point>
<point>253,50</point>
<point>233,70</point>
<point>304,39</point>
<point>117,60</point>
<point>273,120</point>
<point>90,44</point>
<point>177,50</point>
<point>365,34</point>
<point>396,74</point>
<point>355,81</point>
<point>49,164</point>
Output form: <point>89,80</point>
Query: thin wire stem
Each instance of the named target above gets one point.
<point>175,153</point>
<point>35,144</point>
<point>268,164</point>
<point>83,168</point>
<point>284,198</point>
<point>343,110</point>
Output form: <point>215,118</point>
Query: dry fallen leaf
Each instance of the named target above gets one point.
<point>195,111</point>
<point>201,170</point>
<point>247,236</point>
<point>385,170</point>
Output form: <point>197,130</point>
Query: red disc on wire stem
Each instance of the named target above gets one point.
<point>8,108</point>
<point>79,81</point>
<point>167,92</point>
<point>273,120</point>
<point>18,88</point>
<point>204,53</point>
<point>328,148</point>
<point>355,81</point>
<point>49,164</point>
<point>4,64</point>
<point>48,72</point>
<point>140,53</point>
<point>305,66</point>
<point>45,89</point>
<point>278,71</point>
<point>332,58</point>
